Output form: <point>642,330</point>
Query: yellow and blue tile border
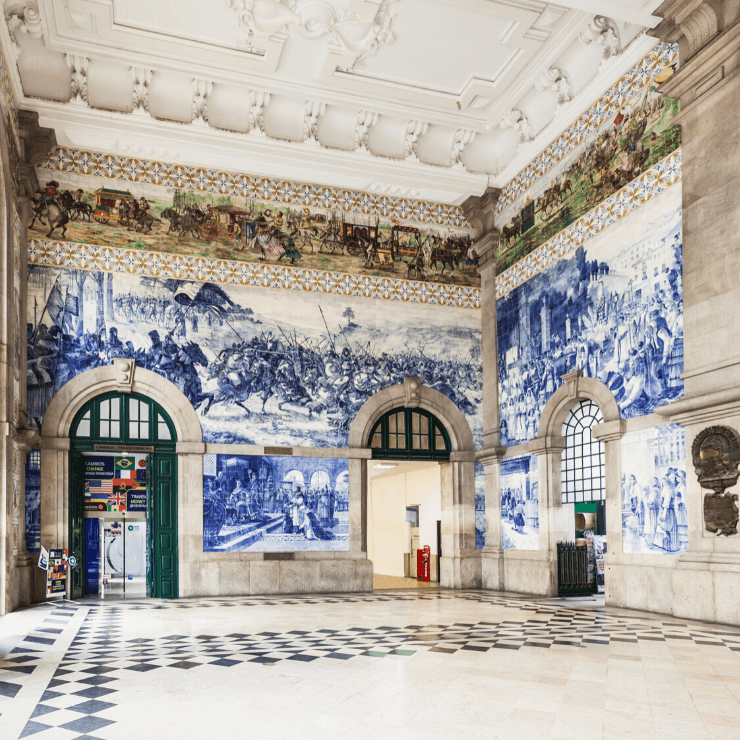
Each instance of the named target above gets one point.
<point>663,55</point>
<point>271,190</point>
<point>647,186</point>
<point>657,179</point>
<point>231,272</point>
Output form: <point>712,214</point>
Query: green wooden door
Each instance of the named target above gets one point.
<point>164,526</point>
<point>77,522</point>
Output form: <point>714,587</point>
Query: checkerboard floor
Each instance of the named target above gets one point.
<point>160,669</point>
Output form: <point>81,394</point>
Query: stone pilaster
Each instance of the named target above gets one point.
<point>707,84</point>
<point>706,580</point>
<point>480,211</point>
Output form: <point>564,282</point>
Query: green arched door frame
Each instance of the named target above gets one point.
<point>129,419</point>
<point>409,434</point>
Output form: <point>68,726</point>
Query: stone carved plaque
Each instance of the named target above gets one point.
<point>716,455</point>
<point>721,513</point>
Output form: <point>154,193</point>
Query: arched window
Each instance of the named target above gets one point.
<point>583,457</point>
<point>410,434</point>
<point>130,418</point>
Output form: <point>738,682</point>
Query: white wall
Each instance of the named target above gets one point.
<point>388,535</point>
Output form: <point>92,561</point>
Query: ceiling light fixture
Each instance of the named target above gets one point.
<point>379,466</point>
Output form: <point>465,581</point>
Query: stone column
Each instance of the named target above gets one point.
<point>480,211</point>
<point>492,563</point>
<point>707,579</point>
<point>556,518</point>
<point>610,434</point>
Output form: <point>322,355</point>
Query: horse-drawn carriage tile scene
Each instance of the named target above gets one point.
<point>143,205</point>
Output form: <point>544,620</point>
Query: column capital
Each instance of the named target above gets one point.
<point>491,455</point>
<point>480,210</point>
<point>545,445</point>
<point>708,35</point>
<point>610,431</point>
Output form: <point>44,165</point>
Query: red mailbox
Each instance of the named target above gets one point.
<point>423,556</point>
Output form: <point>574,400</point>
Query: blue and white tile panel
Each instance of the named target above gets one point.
<point>633,195</point>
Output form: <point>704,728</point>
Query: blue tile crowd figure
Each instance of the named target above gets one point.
<point>618,321</point>
<point>253,503</point>
<point>654,515</point>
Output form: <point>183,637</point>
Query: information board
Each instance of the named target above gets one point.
<point>56,574</point>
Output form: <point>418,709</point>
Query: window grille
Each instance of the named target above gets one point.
<point>583,457</point>
<point>410,435</point>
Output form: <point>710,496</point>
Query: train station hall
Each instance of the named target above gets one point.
<point>370,369</point>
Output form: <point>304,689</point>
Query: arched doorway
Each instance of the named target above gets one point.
<point>123,483</point>
<point>405,498</point>
<point>583,483</point>
<point>412,426</point>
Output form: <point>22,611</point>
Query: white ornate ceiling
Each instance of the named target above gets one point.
<point>428,98</point>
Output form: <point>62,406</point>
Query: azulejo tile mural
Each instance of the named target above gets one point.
<point>275,504</point>
<point>137,170</point>
<point>662,57</point>
<point>654,513</point>
<point>520,503</point>
<point>232,272</point>
<point>614,310</point>
<point>112,201</point>
<point>614,143</point>
<point>258,369</point>
<point>638,193</point>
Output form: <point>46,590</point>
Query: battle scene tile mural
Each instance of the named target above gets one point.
<point>257,368</point>
<point>613,309</point>
<point>520,503</point>
<point>257,503</point>
<point>636,133</point>
<point>654,512</point>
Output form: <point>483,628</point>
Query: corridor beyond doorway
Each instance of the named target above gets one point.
<point>404,517</point>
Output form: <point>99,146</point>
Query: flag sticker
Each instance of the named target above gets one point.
<point>97,493</point>
<point>124,463</point>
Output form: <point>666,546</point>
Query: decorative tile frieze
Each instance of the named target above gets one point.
<point>633,195</point>
<point>663,55</point>
<point>134,169</point>
<point>232,272</point>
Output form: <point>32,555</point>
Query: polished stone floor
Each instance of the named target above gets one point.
<point>406,664</point>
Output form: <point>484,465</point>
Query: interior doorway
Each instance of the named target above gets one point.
<point>404,502</point>
<point>404,506</point>
<point>123,499</point>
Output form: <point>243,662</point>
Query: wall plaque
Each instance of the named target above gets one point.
<point>716,455</point>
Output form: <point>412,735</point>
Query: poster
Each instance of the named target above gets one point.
<point>92,555</point>
<point>56,573</point>
<point>98,467</point>
<point>116,484</point>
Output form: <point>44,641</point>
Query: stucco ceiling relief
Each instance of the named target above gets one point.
<point>316,19</point>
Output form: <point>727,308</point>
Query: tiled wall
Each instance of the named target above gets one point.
<point>275,504</point>
<point>613,309</point>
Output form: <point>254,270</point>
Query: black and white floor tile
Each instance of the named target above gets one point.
<point>82,700</point>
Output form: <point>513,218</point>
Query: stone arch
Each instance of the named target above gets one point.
<point>460,564</point>
<point>428,399</point>
<point>74,394</point>
<point>122,376</point>
<point>562,401</point>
